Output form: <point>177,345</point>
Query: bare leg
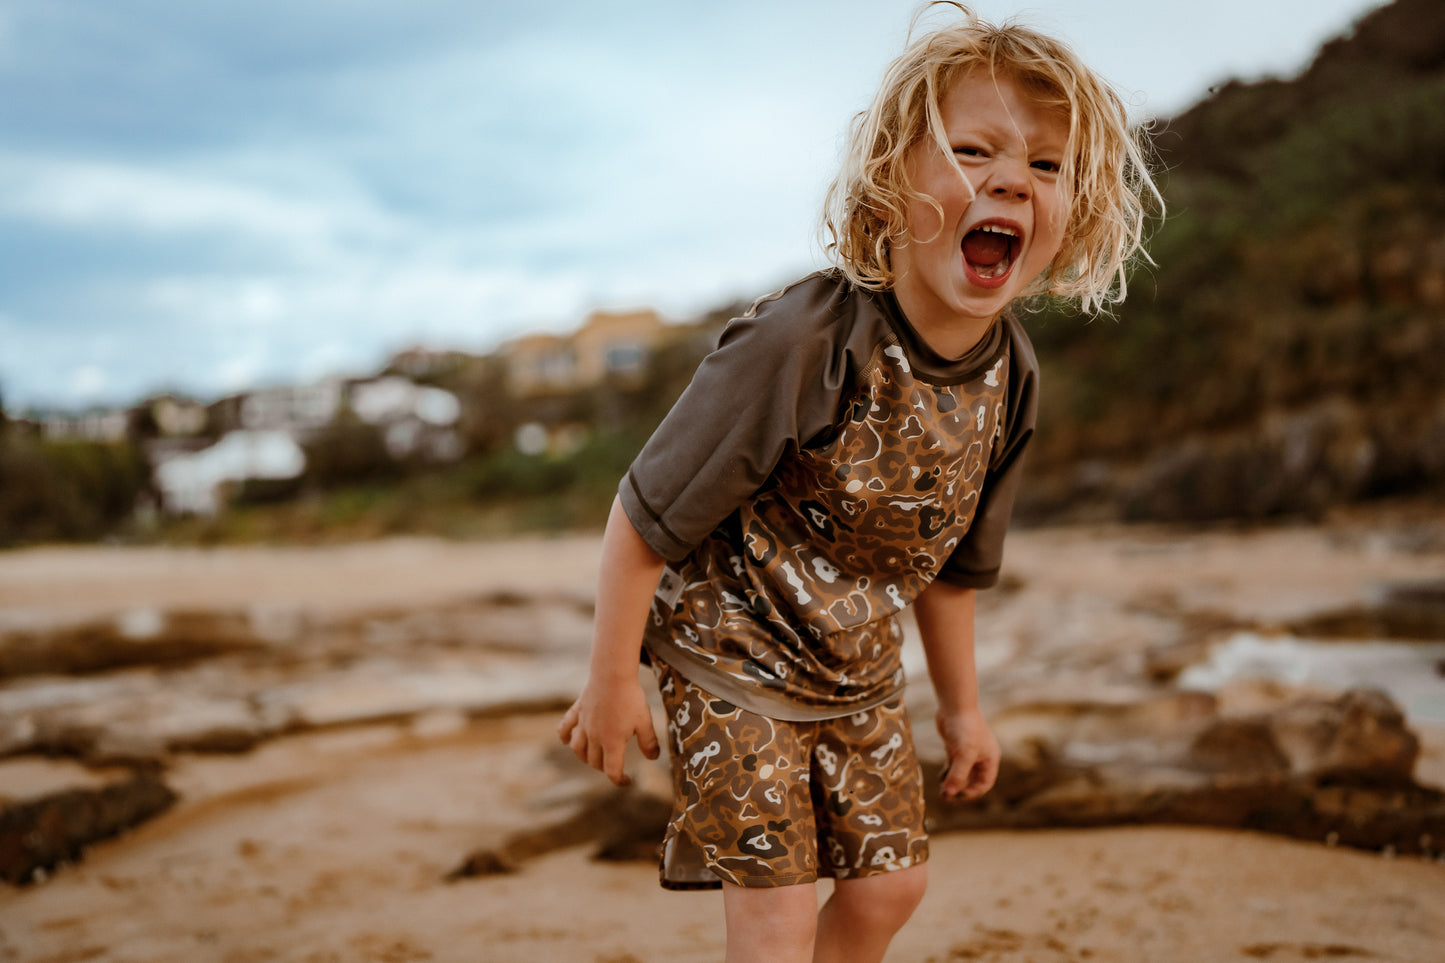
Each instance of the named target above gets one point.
<point>862,915</point>
<point>770,925</point>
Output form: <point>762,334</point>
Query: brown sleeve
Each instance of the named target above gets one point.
<point>975,563</point>
<point>774,381</point>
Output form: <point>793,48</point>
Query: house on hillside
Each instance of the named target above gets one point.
<point>194,482</point>
<point>174,417</point>
<point>539,364</point>
<point>426,363</point>
<point>99,425</point>
<point>296,409</point>
<point>416,420</point>
<point>609,345</point>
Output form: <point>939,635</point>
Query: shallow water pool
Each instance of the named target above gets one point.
<point>1413,673</point>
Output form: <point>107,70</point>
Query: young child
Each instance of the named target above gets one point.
<point>851,448</point>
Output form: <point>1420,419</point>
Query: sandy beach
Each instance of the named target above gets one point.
<point>334,842</point>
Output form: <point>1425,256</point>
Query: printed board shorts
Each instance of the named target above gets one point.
<point>760,802</point>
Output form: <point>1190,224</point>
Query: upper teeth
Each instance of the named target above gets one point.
<point>998,229</point>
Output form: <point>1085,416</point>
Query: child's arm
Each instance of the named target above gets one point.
<point>945,621</point>
<point>612,706</point>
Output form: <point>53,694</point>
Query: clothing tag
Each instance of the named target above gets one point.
<point>669,588</point>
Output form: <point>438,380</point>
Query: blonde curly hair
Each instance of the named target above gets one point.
<point>1105,163</point>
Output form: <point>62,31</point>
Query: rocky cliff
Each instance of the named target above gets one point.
<point>1283,356</point>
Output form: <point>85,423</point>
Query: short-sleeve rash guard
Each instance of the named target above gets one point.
<point>822,468</point>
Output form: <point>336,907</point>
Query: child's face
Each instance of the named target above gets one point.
<point>1002,220</point>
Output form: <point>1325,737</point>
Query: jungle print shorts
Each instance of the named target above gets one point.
<point>760,802</point>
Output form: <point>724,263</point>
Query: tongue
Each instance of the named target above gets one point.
<point>985,248</point>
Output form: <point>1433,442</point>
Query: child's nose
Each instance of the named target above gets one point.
<point>1009,181</point>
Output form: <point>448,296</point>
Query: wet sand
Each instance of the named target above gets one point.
<point>334,847</point>
<point>334,844</point>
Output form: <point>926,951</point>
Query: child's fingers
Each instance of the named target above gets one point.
<point>972,780</point>
<point>647,741</point>
<point>568,723</point>
<point>611,767</point>
<point>596,756</point>
<point>596,753</point>
<point>579,744</point>
<point>958,775</point>
<point>969,774</point>
<point>986,772</point>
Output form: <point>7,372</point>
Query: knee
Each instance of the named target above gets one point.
<point>774,936</point>
<point>906,891</point>
<point>770,923</point>
<point>887,901</point>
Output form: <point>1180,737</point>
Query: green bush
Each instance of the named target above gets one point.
<point>66,491</point>
<point>509,474</point>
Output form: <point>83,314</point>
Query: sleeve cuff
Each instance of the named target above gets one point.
<point>975,580</point>
<point>652,529</point>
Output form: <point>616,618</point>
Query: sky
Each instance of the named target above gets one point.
<point>207,197</point>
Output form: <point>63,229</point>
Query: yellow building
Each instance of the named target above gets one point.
<point>609,345</point>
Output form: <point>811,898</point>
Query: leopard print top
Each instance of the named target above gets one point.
<point>821,470</point>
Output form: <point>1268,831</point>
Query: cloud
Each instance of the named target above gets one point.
<point>281,190</point>
<point>84,195</point>
<point>88,381</point>
<point>204,195</point>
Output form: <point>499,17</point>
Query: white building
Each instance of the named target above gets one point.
<point>416,419</point>
<point>102,426</point>
<point>298,408</point>
<point>191,483</point>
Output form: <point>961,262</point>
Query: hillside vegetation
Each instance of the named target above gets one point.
<point>1285,353</point>
<point>1281,357</point>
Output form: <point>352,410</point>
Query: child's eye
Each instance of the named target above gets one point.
<point>1048,166</point>
<point>968,152</point>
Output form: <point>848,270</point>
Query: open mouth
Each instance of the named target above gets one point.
<point>990,250</point>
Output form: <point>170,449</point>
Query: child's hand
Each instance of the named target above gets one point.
<point>973,755</point>
<point>602,720</point>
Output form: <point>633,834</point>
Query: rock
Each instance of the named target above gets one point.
<point>137,721</point>
<point>484,862</point>
<point>138,637</point>
<point>1244,746</point>
<point>1414,611</point>
<point>1296,461</point>
<point>1085,733</point>
<point>625,824</point>
<point>150,682</point>
<point>1360,735</point>
<point>388,690</point>
<point>1311,768</point>
<point>54,825</point>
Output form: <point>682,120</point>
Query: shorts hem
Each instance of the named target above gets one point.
<point>751,881</point>
<point>688,886</point>
<point>772,882</point>
<point>863,872</point>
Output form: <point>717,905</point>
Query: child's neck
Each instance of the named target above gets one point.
<point>954,338</point>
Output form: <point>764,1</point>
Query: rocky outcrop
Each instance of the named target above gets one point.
<point>1282,359</point>
<point>139,637</point>
<point>1335,770</point>
<point>625,824</point>
<point>115,699</point>
<point>139,687</point>
<point>1141,748</point>
<point>1413,611</point>
<point>41,832</point>
<point>1327,769</point>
